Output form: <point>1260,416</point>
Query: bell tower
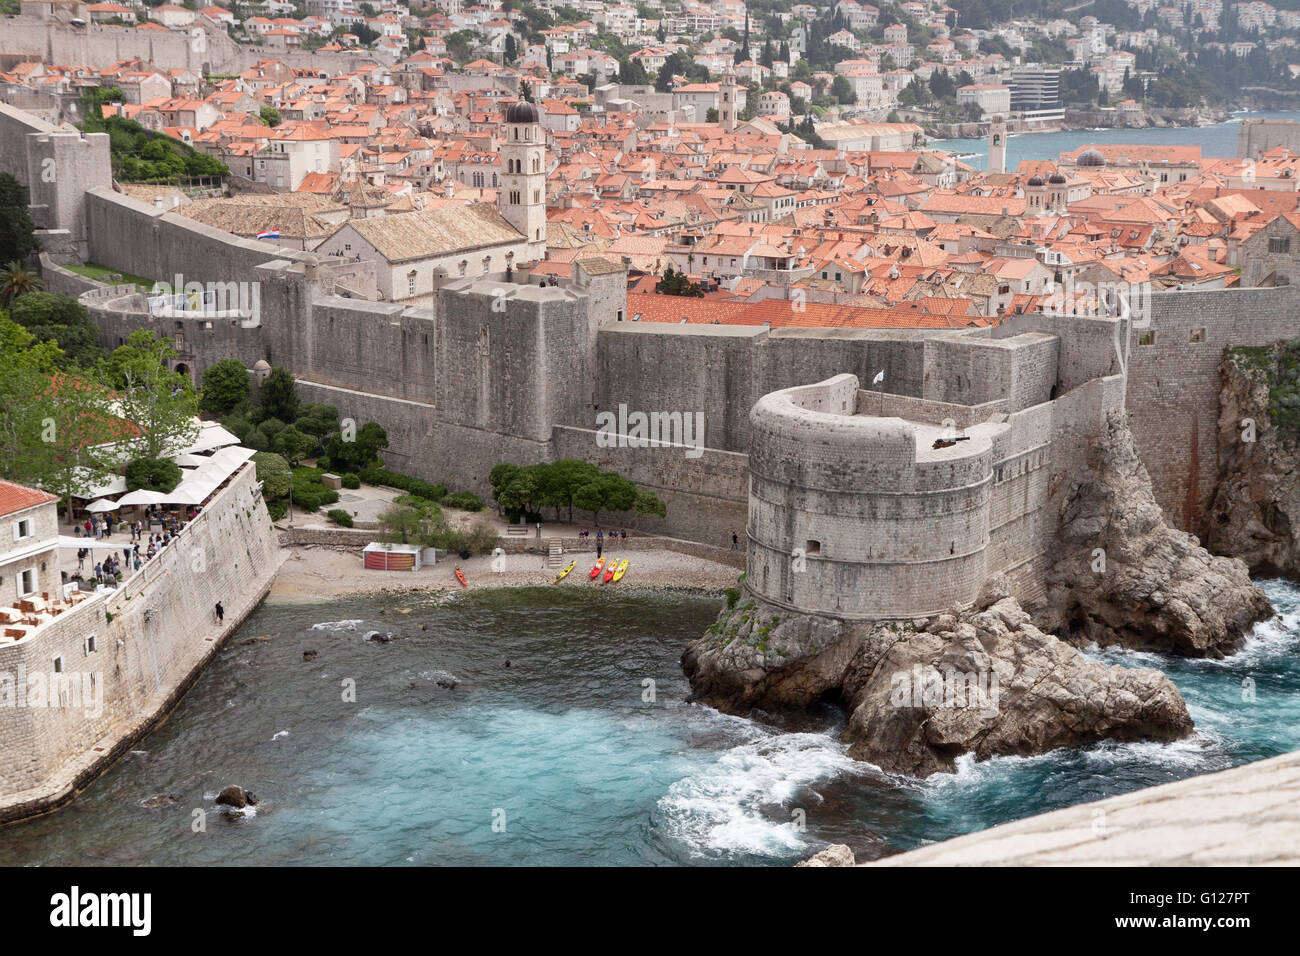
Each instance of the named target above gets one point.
<point>727,102</point>
<point>998,145</point>
<point>522,198</point>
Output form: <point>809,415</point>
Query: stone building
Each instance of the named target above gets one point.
<point>29,535</point>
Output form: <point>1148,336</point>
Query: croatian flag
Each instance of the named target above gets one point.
<point>269,234</point>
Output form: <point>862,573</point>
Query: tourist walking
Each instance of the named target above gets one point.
<point>600,543</point>
<point>735,542</point>
<point>221,613</point>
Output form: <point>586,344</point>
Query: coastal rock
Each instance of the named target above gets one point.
<point>237,797</point>
<point>989,682</point>
<point>754,657</point>
<point>160,800</point>
<point>1123,576</point>
<point>983,681</point>
<point>837,854</point>
<point>378,637</point>
<point>310,655</point>
<point>1255,513</point>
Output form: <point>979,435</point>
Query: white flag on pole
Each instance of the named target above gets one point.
<point>880,377</point>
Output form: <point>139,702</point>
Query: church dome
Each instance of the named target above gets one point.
<point>522,112</point>
<point>1035,181</point>
<point>1056,179</point>
<point>1091,157</point>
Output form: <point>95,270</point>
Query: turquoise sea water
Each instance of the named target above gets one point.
<point>568,752</point>
<point>1218,140</point>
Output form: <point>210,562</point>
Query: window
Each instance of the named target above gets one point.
<point>92,644</point>
<point>58,665</point>
<point>22,529</point>
<point>812,547</point>
<point>410,285</point>
<point>27,581</point>
<point>1279,244</point>
<point>1196,335</point>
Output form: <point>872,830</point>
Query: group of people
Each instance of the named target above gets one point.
<point>132,557</point>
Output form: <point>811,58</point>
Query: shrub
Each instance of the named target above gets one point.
<point>277,509</point>
<point>374,475</point>
<point>350,480</point>
<point>308,492</point>
<point>464,500</point>
<point>733,595</point>
<point>256,438</point>
<point>339,517</point>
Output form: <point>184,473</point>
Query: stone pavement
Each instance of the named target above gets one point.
<point>1248,815</point>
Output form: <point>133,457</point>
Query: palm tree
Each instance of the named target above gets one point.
<point>16,280</point>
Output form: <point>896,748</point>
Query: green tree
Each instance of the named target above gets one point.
<point>155,474</point>
<point>269,115</point>
<point>678,283</point>
<point>280,395</point>
<point>360,451</point>
<point>54,428</point>
<point>15,280</point>
<point>317,419</point>
<point>224,387</point>
<point>273,472</point>
<point>17,231</point>
<point>63,321</point>
<point>147,392</point>
<point>293,444</point>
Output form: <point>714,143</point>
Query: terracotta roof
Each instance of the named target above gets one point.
<point>15,498</point>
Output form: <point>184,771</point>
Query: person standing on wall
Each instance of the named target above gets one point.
<point>221,613</point>
<point>735,542</point>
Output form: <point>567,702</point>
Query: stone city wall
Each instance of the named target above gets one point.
<point>161,632</point>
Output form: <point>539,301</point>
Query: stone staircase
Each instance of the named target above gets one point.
<point>555,554</point>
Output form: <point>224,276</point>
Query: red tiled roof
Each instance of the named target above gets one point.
<point>782,314</point>
<point>15,498</point>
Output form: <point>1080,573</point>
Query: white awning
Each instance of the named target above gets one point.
<point>211,435</point>
<point>142,496</point>
<point>102,504</point>
<point>92,488</point>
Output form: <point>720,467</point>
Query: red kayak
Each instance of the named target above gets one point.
<point>609,572</point>
<point>460,576</point>
<point>595,572</point>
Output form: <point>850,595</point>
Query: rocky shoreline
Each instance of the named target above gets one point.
<point>1255,514</point>
<point>919,694</point>
<point>995,678</point>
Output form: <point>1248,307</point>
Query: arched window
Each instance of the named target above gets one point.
<point>487,264</point>
<point>463,266</point>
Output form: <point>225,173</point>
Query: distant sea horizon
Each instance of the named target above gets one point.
<point>1218,140</point>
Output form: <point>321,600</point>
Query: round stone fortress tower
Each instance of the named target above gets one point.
<point>861,516</point>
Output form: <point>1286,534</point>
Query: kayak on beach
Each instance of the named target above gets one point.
<point>565,573</point>
<point>620,571</point>
<point>460,576</point>
<point>609,572</point>
<point>595,572</point>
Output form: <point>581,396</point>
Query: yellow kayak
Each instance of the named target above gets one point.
<point>563,574</point>
<point>620,570</point>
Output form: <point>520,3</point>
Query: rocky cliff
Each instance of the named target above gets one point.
<point>1255,514</point>
<point>1123,576</point>
<point>919,694</point>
